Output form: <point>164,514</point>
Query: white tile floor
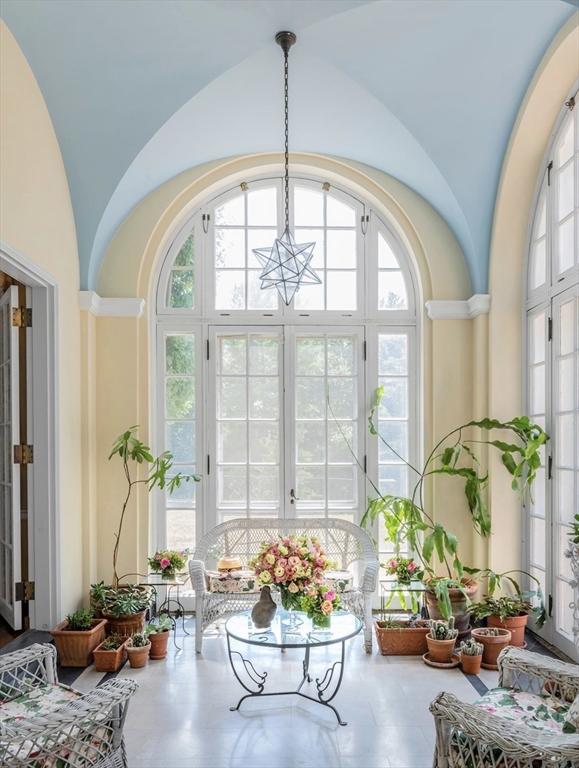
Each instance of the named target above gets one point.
<point>180,718</point>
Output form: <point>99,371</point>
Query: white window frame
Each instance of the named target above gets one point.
<point>202,317</point>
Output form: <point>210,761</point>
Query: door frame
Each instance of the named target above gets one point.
<point>44,434</point>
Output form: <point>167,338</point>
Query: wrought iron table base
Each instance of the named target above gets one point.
<point>258,680</point>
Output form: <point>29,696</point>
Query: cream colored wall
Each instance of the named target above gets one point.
<point>130,269</point>
<point>549,89</point>
<point>36,220</point>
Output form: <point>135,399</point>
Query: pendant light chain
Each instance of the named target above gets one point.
<point>286,153</point>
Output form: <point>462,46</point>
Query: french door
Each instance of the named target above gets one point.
<point>554,404</point>
<point>286,422</point>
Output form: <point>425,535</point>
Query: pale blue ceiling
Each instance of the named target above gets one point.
<point>426,90</point>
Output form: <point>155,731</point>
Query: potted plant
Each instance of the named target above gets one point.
<point>402,637</point>
<point>168,562</point>
<point>111,654</point>
<point>77,636</point>
<point>493,640</point>
<point>507,612</point>
<point>138,647</point>
<point>124,604</point>
<point>471,653</point>
<point>319,602</point>
<point>441,640</point>
<point>408,520</point>
<point>158,634</point>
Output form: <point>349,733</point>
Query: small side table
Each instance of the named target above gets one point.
<point>415,589</point>
<point>171,604</point>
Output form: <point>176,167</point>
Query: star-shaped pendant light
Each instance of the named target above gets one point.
<point>286,264</point>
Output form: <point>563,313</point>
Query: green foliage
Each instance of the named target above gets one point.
<point>159,475</point>
<point>406,519</point>
<point>139,640</point>
<point>98,593</point>
<point>112,642</point>
<point>125,601</point>
<point>574,532</point>
<point>504,607</point>
<point>443,630</point>
<point>471,648</point>
<point>80,620</point>
<point>161,624</point>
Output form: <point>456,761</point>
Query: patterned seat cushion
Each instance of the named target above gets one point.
<point>543,713</point>
<point>40,700</point>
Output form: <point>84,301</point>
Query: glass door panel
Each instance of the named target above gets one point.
<point>246,375</point>
<point>326,413</point>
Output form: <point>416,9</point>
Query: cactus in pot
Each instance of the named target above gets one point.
<point>441,640</point>
<point>471,656</point>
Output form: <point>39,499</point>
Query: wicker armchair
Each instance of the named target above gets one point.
<point>468,735</point>
<point>47,725</point>
<point>344,542</point>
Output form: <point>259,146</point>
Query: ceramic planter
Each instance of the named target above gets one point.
<point>159,641</point>
<point>440,651</point>
<point>492,644</point>
<point>470,664</point>
<point>75,647</point>
<point>459,604</point>
<point>402,641</point>
<point>110,661</point>
<point>516,626</point>
<point>129,624</point>
<point>139,656</point>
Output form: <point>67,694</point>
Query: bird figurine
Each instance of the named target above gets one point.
<point>264,610</point>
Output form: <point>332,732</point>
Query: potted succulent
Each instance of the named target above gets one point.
<point>138,647</point>
<point>111,654</point>
<point>158,634</point>
<point>77,636</point>
<point>441,640</point>
<point>507,612</point>
<point>125,604</point>
<point>471,653</point>
<point>493,640</point>
<point>402,637</point>
<point>451,584</point>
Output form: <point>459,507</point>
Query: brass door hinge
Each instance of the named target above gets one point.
<point>23,454</point>
<point>22,317</point>
<point>25,590</point>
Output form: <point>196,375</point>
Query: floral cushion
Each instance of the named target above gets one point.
<point>41,701</point>
<point>232,581</point>
<point>571,721</point>
<point>542,713</point>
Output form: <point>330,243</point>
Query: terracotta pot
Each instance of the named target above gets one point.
<point>75,647</point>
<point>459,604</point>
<point>129,624</point>
<point>440,651</point>
<point>138,657</point>
<point>110,661</point>
<point>516,626</point>
<point>470,664</point>
<point>402,641</point>
<point>159,641</point>
<point>492,645</point>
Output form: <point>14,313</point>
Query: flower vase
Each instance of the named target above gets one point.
<point>321,622</point>
<point>291,601</point>
<point>168,575</point>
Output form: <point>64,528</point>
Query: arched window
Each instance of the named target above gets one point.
<point>269,402</point>
<point>553,372</point>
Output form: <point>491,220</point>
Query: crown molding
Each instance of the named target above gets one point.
<point>102,307</point>
<point>479,304</point>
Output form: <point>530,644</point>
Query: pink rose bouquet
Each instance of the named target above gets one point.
<point>168,562</point>
<point>404,568</point>
<point>292,564</point>
<point>319,602</point>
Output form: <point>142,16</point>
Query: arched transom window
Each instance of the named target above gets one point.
<point>269,402</point>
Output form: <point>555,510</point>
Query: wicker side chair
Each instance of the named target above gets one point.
<point>469,736</point>
<point>44,724</point>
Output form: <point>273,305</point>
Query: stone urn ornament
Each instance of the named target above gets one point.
<point>264,610</point>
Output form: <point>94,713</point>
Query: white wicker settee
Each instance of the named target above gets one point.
<point>47,725</point>
<point>347,544</point>
<point>517,725</point>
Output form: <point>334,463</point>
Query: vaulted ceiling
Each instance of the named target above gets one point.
<point>426,90</point>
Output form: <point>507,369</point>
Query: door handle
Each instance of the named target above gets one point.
<point>293,497</point>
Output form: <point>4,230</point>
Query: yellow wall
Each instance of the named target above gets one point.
<point>36,221</point>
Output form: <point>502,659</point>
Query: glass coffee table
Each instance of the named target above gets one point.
<point>291,630</point>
